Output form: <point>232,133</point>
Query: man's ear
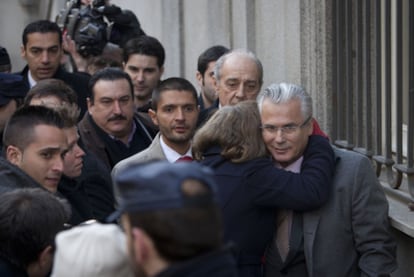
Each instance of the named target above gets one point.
<point>89,104</point>
<point>216,85</point>
<point>140,245</point>
<point>199,78</point>
<point>46,256</point>
<point>13,154</point>
<point>43,264</point>
<point>310,130</point>
<point>22,52</point>
<point>153,115</point>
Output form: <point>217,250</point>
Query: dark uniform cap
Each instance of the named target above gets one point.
<point>11,87</point>
<point>158,186</point>
<point>4,56</point>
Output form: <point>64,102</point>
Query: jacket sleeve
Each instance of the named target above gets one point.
<point>302,191</point>
<point>373,241</point>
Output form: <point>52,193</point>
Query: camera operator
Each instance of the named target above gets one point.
<point>87,32</point>
<point>125,23</point>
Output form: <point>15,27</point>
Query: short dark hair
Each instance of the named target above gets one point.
<point>212,54</point>
<point>108,74</point>
<point>51,87</point>
<point>41,26</point>
<point>29,221</point>
<point>145,45</point>
<point>172,230</point>
<point>19,128</point>
<point>173,83</point>
<point>5,63</point>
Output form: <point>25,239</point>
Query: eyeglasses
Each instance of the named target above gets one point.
<point>287,130</point>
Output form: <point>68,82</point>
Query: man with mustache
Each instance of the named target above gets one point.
<point>175,111</point>
<point>111,129</point>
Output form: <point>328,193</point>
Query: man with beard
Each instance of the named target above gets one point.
<point>111,129</point>
<point>175,111</point>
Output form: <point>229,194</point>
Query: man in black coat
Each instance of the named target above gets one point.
<point>86,182</point>
<point>163,206</point>
<point>42,49</point>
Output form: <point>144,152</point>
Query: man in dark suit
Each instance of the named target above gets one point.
<point>348,236</point>
<point>42,49</point>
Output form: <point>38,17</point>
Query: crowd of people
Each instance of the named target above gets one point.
<point>111,170</point>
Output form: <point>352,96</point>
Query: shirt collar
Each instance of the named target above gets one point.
<point>32,81</point>
<point>131,135</point>
<point>293,167</point>
<point>172,155</point>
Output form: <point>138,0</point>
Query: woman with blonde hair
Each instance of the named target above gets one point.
<point>250,187</point>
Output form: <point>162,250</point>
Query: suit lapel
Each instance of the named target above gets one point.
<point>310,226</point>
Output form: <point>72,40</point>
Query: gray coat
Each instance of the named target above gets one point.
<point>153,152</point>
<point>350,235</point>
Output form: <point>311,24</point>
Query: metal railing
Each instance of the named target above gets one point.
<point>374,97</point>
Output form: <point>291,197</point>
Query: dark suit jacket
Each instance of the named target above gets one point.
<point>205,114</point>
<point>249,193</point>
<point>78,82</point>
<point>91,194</point>
<point>350,235</point>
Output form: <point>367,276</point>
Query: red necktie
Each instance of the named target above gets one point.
<point>184,159</point>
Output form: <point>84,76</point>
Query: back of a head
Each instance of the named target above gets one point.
<point>5,63</point>
<point>175,204</point>
<point>29,221</point>
<point>173,83</point>
<point>24,120</point>
<point>212,54</point>
<point>94,250</point>
<point>236,129</point>
<point>98,63</point>
<point>145,45</point>
<point>41,26</point>
<point>51,87</point>
<point>285,92</point>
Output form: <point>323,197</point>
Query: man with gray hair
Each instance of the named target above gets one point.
<point>239,77</point>
<point>348,236</point>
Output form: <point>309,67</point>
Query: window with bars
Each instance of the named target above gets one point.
<point>374,86</point>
